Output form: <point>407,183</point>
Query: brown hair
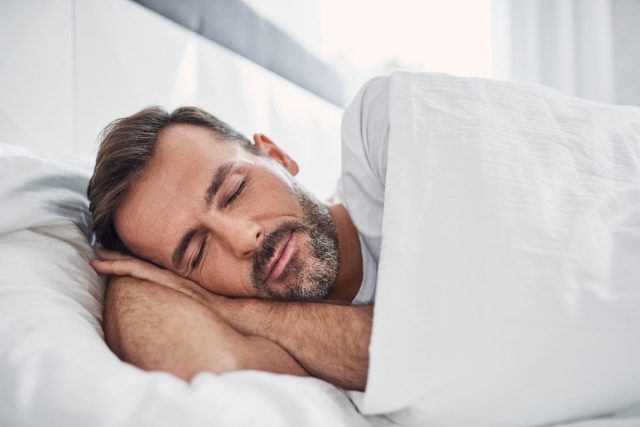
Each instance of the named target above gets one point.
<point>126,147</point>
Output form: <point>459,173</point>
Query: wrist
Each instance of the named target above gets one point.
<point>243,314</point>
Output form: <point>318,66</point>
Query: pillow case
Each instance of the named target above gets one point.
<point>55,368</point>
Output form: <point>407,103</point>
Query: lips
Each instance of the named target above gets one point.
<point>281,258</point>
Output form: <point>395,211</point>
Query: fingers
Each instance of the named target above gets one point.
<point>117,267</point>
<point>118,264</point>
<point>129,267</point>
<point>106,254</point>
<point>137,268</point>
<point>113,262</point>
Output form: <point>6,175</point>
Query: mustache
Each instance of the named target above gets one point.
<point>268,249</point>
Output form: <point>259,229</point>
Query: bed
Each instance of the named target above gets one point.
<point>68,68</point>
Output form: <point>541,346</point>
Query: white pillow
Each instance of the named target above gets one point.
<point>55,368</point>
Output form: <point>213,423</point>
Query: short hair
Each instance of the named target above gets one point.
<point>127,144</point>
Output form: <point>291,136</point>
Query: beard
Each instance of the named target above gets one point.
<point>309,278</point>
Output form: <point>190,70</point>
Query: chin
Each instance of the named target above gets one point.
<point>301,289</point>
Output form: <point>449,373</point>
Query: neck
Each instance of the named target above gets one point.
<point>350,271</point>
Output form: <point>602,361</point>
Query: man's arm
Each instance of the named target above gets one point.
<point>330,341</point>
<point>157,328</point>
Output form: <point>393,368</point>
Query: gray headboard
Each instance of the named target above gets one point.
<point>234,25</point>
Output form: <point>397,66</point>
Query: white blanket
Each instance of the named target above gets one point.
<point>56,370</point>
<point>509,276</point>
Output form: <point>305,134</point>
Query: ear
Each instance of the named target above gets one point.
<point>270,148</point>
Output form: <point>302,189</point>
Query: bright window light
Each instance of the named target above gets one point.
<point>363,38</point>
<point>376,36</point>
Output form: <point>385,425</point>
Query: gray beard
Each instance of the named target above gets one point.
<point>310,281</point>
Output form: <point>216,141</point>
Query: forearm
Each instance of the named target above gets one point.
<point>330,341</point>
<point>157,328</point>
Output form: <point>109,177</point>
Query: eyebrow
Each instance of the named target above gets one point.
<point>216,182</point>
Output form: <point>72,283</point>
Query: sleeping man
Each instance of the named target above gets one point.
<point>497,223</point>
<point>220,260</point>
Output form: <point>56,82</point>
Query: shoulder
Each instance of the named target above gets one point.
<point>374,89</point>
<point>365,126</point>
<point>371,101</point>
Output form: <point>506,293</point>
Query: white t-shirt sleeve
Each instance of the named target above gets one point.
<point>365,130</point>
<point>365,138</point>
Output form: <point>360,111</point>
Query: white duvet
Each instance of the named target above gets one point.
<point>56,370</point>
<point>509,275</point>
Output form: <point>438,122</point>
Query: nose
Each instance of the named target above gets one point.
<point>241,236</point>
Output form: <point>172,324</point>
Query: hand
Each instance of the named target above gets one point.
<point>116,263</point>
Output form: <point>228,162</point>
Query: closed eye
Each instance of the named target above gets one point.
<point>201,250</point>
<point>198,257</point>
<point>241,187</point>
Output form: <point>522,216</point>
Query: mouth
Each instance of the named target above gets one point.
<point>281,258</point>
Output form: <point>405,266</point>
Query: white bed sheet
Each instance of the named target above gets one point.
<point>55,368</point>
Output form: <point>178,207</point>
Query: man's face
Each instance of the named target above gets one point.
<point>236,223</point>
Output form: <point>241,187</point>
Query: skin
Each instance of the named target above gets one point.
<point>326,340</point>
<point>168,201</point>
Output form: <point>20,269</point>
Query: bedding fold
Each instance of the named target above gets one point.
<point>509,275</point>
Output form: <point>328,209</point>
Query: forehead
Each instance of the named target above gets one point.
<point>180,144</point>
<point>159,205</point>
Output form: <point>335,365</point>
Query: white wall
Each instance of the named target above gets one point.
<point>126,59</point>
<point>68,67</point>
<point>36,74</point>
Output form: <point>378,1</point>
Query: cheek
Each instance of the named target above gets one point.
<point>225,276</point>
<point>306,254</point>
<point>275,198</point>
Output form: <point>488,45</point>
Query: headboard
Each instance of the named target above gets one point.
<point>236,26</point>
<point>69,67</point>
